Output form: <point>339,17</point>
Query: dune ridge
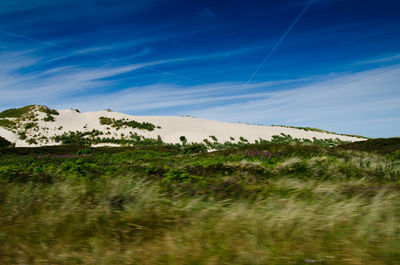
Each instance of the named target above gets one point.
<point>37,125</point>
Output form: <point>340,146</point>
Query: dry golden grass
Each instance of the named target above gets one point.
<point>305,221</point>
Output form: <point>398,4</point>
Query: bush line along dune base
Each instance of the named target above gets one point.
<point>286,202</point>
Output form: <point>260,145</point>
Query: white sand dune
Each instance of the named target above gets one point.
<point>8,135</point>
<point>172,127</point>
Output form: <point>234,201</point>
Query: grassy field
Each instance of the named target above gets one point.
<point>255,204</point>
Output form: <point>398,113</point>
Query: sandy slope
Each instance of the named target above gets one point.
<point>194,129</point>
<point>9,136</point>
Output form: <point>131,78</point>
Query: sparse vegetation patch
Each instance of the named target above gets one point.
<point>319,130</point>
<point>8,124</point>
<point>120,123</point>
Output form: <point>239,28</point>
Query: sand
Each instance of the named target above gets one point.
<point>8,135</point>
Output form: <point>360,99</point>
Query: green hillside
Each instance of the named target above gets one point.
<point>271,203</point>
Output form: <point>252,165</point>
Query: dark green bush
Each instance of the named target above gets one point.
<point>85,151</point>
<point>29,125</point>
<point>105,121</point>
<point>4,142</point>
<point>52,112</point>
<point>242,139</point>
<point>214,138</point>
<point>48,111</point>
<point>22,135</point>
<point>183,140</point>
<point>122,122</point>
<point>31,141</point>
<point>194,148</point>
<point>48,118</point>
<point>72,138</point>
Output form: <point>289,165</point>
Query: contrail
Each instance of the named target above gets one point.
<point>299,16</point>
<point>94,55</point>
<point>46,43</point>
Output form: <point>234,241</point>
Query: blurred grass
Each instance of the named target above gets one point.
<point>154,205</point>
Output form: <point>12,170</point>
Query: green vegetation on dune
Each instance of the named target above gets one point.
<point>127,123</point>
<point>22,121</point>
<point>21,112</point>
<point>48,111</point>
<point>287,139</point>
<point>8,124</point>
<point>269,203</point>
<point>17,112</point>
<point>319,130</point>
<point>94,137</point>
<point>19,120</point>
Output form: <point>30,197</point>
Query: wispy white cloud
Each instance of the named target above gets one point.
<point>98,50</point>
<point>348,102</point>
<point>19,85</point>
<point>346,99</point>
<point>162,96</point>
<point>34,76</point>
<point>384,59</point>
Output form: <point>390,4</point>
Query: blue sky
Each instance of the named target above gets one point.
<point>330,64</point>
